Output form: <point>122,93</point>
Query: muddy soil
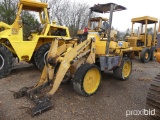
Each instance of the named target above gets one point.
<point>111,101</point>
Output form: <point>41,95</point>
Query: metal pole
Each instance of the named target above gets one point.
<point>89,17</point>
<point>132,30</point>
<point>145,37</point>
<point>138,33</point>
<point>142,28</point>
<point>154,37</point>
<point>109,29</point>
<point>158,39</point>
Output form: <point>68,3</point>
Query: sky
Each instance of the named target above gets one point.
<point>135,8</point>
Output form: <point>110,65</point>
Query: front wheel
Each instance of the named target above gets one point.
<point>6,61</point>
<point>123,71</point>
<point>87,79</point>
<point>153,53</point>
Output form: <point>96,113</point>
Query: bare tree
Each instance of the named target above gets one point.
<point>8,10</point>
<point>71,14</point>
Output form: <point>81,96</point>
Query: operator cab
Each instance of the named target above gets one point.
<point>103,33</point>
<point>37,7</point>
<point>97,24</point>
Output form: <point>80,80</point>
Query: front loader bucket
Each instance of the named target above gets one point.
<point>42,102</point>
<point>39,93</point>
<point>42,105</point>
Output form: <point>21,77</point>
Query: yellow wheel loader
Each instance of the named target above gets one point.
<point>33,49</point>
<point>144,43</point>
<point>153,96</point>
<point>76,60</point>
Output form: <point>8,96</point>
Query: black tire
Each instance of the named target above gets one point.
<point>40,55</point>
<point>143,56</point>
<point>118,71</point>
<point>67,77</point>
<point>153,50</point>
<point>6,61</point>
<point>78,80</point>
<point>66,80</point>
<point>153,97</point>
<point>33,60</point>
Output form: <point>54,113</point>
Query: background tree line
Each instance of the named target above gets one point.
<point>71,14</point>
<point>8,9</point>
<point>65,12</point>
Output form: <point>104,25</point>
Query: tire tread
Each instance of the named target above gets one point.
<point>153,97</point>
<point>78,78</point>
<point>9,65</point>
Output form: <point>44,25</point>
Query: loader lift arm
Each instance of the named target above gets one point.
<point>66,56</point>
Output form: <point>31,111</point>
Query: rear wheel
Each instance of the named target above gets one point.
<point>40,56</point>
<point>145,55</point>
<point>153,97</point>
<point>153,53</point>
<point>6,61</point>
<point>87,79</point>
<point>124,70</point>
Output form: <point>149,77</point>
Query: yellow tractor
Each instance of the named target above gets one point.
<point>97,24</point>
<point>143,43</point>
<point>153,96</point>
<point>33,49</point>
<point>76,60</point>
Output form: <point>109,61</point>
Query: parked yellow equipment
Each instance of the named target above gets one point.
<point>33,49</point>
<point>143,43</point>
<point>153,96</point>
<point>75,60</point>
<point>97,24</point>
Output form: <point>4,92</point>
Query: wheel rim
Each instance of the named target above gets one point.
<point>126,69</point>
<point>91,80</point>
<point>45,57</point>
<point>1,62</point>
<point>146,55</point>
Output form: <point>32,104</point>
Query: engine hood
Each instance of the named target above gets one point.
<point>4,26</point>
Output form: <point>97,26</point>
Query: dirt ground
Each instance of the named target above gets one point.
<point>111,101</point>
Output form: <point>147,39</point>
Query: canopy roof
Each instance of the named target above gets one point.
<point>142,20</point>
<point>105,8</point>
<point>32,5</point>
